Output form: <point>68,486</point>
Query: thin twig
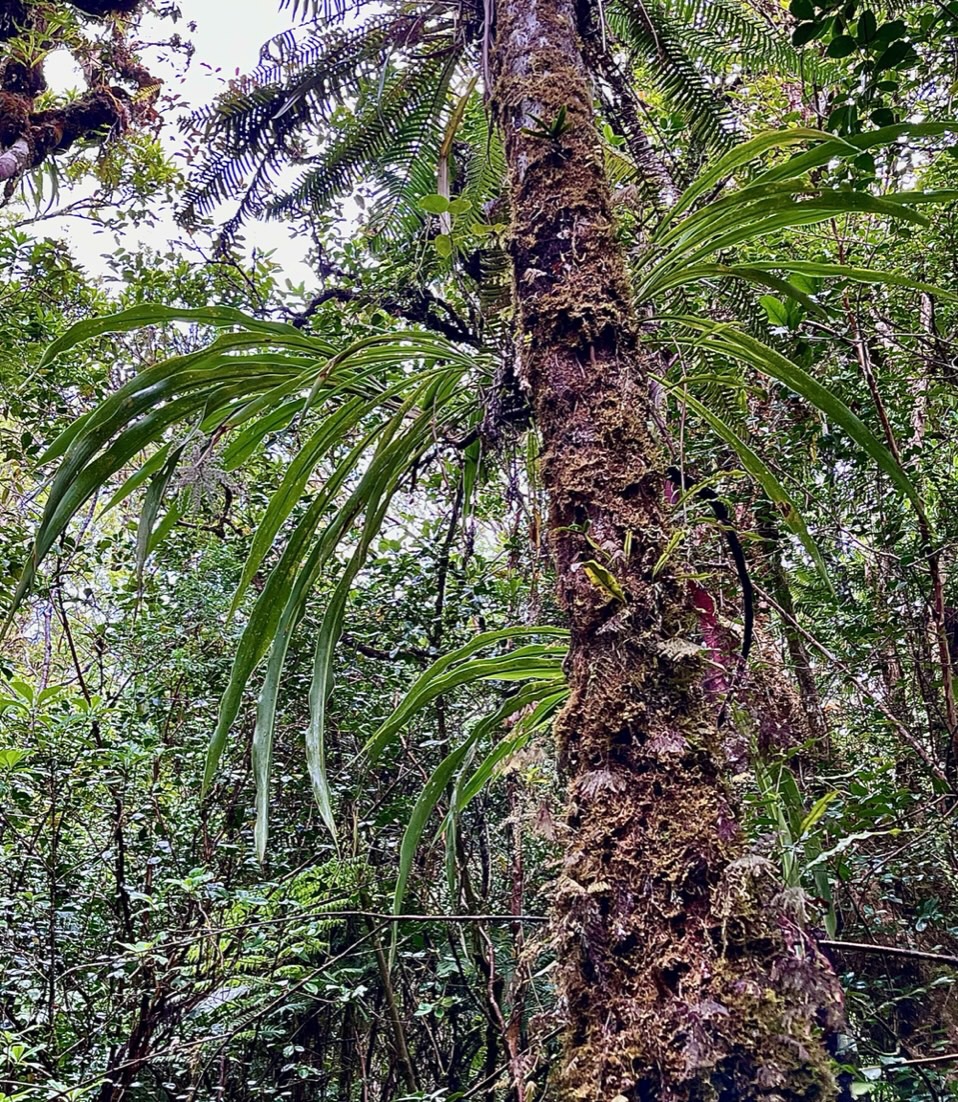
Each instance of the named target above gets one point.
<point>889,950</point>
<point>928,1060</point>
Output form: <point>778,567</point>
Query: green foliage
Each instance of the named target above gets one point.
<point>655,39</point>
<point>312,509</point>
<point>383,123</point>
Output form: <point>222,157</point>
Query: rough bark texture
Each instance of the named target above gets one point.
<point>684,973</point>
<point>28,137</point>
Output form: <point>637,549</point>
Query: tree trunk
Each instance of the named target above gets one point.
<point>802,669</point>
<point>684,974</point>
<point>16,159</point>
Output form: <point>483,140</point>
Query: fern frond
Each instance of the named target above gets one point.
<point>370,137</point>
<point>653,37</point>
<point>329,11</point>
<point>719,31</point>
<point>251,128</point>
<point>481,158</point>
<point>477,167</point>
<point>407,169</point>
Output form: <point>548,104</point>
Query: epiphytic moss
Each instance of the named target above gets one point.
<point>681,977</point>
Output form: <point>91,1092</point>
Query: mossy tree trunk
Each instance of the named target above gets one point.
<point>684,973</point>
<point>120,92</point>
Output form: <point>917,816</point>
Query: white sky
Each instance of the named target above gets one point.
<point>228,37</point>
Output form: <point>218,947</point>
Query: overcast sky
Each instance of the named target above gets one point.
<point>228,37</point>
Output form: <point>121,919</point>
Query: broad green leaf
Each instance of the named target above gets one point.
<point>549,703</point>
<point>244,444</point>
<point>744,225</point>
<point>332,626</point>
<point>841,46</point>
<point>816,813</point>
<point>392,461</point>
<point>442,775</point>
<point>163,529</point>
<point>821,269</point>
<point>331,433</point>
<point>744,154</point>
<point>11,758</point>
<point>60,508</point>
<point>420,691</point>
<point>729,341</point>
<point>434,204</point>
<point>711,231</point>
<point>277,609</point>
<point>776,311</point>
<point>742,204</point>
<point>147,470</point>
<point>838,148</point>
<point>752,273</point>
<point>603,579</point>
<point>763,475</point>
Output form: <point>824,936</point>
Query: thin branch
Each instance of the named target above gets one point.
<point>435,917</point>
<point>419,653</point>
<point>422,307</point>
<point>944,1058</point>
<point>933,766</point>
<point>79,208</point>
<point>889,951</point>
<point>16,159</point>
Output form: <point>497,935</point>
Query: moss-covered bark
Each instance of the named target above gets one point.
<point>684,974</point>
<point>29,136</point>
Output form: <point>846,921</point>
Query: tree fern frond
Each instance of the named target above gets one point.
<point>407,169</point>
<point>718,31</point>
<point>477,168</point>
<point>329,11</point>
<point>251,203</point>
<point>495,288</point>
<point>481,158</point>
<point>652,36</point>
<point>327,66</point>
<point>250,128</point>
<point>369,138</point>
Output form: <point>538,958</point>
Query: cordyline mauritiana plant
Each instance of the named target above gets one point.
<point>683,972</point>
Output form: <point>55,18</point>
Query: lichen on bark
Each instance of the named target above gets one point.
<point>684,974</point>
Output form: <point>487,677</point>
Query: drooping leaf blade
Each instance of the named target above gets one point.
<point>763,475</point>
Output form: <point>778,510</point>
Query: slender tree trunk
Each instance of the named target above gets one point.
<point>683,973</point>
<point>797,651</point>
